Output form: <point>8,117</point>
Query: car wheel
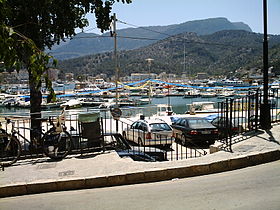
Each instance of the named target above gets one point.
<point>240,129</point>
<point>211,142</point>
<point>183,139</point>
<point>124,136</point>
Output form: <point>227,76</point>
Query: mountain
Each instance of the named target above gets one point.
<point>133,38</point>
<point>216,54</point>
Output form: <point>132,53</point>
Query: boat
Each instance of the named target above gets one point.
<point>10,102</point>
<point>110,103</point>
<point>143,101</point>
<point>234,83</point>
<point>71,104</point>
<point>164,110</point>
<point>51,105</point>
<point>207,94</point>
<point>191,93</point>
<point>201,107</point>
<point>159,95</point>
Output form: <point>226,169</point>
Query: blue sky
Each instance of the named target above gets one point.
<point>166,12</point>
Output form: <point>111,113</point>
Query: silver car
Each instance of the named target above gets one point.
<point>150,132</point>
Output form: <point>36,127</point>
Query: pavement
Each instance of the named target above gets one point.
<point>108,169</point>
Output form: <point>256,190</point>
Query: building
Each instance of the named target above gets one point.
<point>202,76</point>
<point>53,74</point>
<point>69,77</point>
<point>140,76</point>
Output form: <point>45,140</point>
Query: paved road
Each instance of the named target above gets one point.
<point>255,188</point>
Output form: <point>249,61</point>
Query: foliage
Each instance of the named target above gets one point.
<point>14,46</point>
<point>29,26</point>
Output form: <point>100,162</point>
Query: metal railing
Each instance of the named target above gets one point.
<point>240,115</point>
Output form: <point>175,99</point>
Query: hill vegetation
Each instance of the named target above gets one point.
<point>216,54</point>
<point>89,43</point>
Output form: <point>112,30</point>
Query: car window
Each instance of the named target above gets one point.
<point>218,121</point>
<point>183,122</point>
<point>160,127</point>
<point>200,122</point>
<point>144,127</point>
<point>134,125</point>
<point>177,122</point>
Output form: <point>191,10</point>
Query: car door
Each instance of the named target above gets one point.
<point>184,127</point>
<point>142,130</point>
<point>178,127</point>
<point>132,133</point>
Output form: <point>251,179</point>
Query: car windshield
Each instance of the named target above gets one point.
<point>199,123</point>
<point>160,127</point>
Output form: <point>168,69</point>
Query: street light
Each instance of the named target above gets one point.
<point>149,60</point>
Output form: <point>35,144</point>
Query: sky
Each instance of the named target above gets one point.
<point>166,12</point>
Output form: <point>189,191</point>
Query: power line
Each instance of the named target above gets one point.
<point>145,28</point>
<point>124,37</point>
<point>182,38</point>
<point>140,38</point>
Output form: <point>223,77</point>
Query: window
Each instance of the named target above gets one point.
<point>198,122</point>
<point>160,127</point>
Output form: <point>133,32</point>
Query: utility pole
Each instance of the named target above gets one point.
<point>117,72</point>
<point>149,64</point>
<point>184,54</point>
<point>117,75</point>
<point>265,118</point>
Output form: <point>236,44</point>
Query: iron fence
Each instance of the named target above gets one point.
<point>237,116</point>
<point>240,115</point>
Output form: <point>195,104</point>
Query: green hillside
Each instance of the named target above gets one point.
<point>216,54</point>
<point>133,38</point>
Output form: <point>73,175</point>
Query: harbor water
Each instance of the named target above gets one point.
<point>178,103</point>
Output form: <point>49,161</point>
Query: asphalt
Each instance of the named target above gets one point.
<point>108,169</point>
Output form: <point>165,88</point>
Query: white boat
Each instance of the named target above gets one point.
<point>71,104</point>
<point>8,100</point>
<point>108,104</point>
<point>207,94</point>
<point>234,83</point>
<point>164,110</point>
<point>191,93</point>
<point>201,107</point>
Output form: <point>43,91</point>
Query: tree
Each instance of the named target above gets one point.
<point>29,26</point>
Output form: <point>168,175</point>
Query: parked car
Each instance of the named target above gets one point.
<point>149,132</point>
<point>116,142</point>
<point>229,127</point>
<point>194,130</point>
<point>233,126</point>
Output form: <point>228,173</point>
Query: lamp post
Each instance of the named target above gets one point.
<point>149,60</point>
<point>265,118</point>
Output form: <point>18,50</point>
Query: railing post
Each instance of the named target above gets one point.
<point>249,111</point>
<point>230,125</point>
<point>257,110</point>
<point>226,121</point>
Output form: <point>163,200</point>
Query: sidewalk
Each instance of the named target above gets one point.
<point>108,169</point>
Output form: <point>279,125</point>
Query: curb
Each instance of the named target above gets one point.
<point>140,177</point>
